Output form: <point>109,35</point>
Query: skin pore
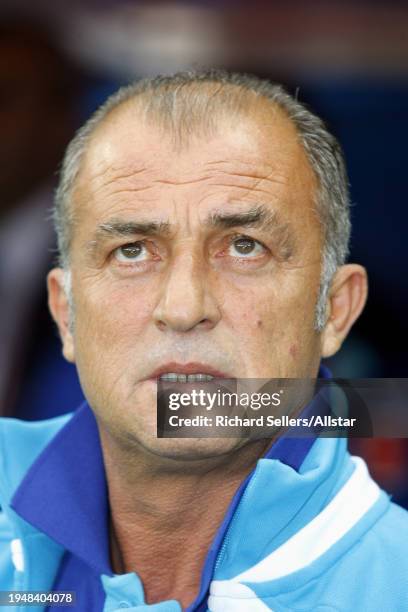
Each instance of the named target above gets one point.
<point>207,253</point>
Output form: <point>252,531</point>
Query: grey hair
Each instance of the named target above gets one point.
<point>179,100</point>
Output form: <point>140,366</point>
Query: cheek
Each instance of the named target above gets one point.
<point>272,321</point>
<point>110,342</point>
<point>113,319</point>
<point>252,321</point>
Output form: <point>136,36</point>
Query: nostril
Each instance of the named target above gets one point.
<point>162,326</point>
<point>182,309</point>
<point>206,323</point>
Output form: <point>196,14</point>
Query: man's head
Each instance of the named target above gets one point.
<point>203,222</point>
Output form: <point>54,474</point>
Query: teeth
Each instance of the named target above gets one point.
<point>182,378</point>
<point>199,377</point>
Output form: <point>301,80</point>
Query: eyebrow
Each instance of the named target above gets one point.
<point>262,218</point>
<point>258,217</point>
<point>116,227</point>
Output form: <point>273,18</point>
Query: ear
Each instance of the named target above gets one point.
<point>347,297</point>
<point>59,306</point>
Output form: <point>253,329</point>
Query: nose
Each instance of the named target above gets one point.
<point>186,300</point>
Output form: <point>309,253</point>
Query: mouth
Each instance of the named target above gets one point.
<point>193,372</point>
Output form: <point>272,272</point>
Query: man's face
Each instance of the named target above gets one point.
<point>203,258</point>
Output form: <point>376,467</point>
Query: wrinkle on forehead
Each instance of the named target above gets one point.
<point>116,179</point>
<point>127,160</point>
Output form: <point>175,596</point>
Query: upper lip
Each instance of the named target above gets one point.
<point>193,367</point>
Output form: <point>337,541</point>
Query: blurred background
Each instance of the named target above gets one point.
<point>59,60</point>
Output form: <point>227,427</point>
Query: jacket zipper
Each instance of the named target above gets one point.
<point>234,519</point>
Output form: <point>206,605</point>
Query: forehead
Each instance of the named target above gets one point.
<point>130,160</point>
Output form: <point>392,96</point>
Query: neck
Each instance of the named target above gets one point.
<point>165,513</point>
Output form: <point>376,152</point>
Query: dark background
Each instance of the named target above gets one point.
<point>347,60</point>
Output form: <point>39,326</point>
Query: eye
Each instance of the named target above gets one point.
<point>244,246</point>
<point>136,251</point>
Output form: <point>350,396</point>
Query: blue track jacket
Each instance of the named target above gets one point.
<point>324,538</point>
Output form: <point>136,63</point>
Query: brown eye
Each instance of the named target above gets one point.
<point>244,246</point>
<point>131,252</point>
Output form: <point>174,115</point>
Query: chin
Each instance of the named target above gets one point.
<point>190,449</point>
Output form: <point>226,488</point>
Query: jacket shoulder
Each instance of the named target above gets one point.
<point>376,568</point>
<point>392,531</point>
<point>20,444</point>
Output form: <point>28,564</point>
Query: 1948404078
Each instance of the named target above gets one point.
<point>17,598</point>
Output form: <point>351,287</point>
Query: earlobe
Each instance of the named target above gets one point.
<point>58,304</point>
<point>347,298</point>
